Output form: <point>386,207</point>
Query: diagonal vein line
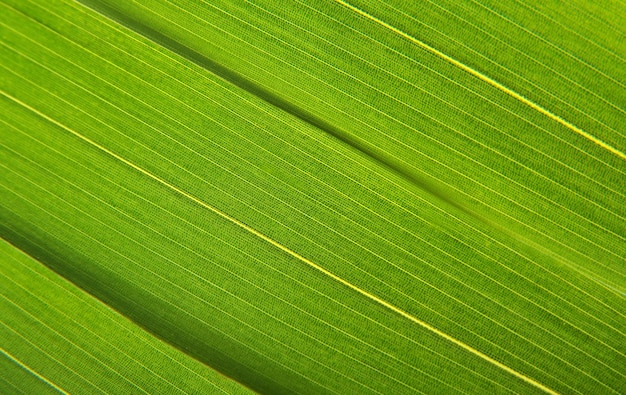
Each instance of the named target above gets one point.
<point>138,285</point>
<point>28,340</point>
<point>50,306</point>
<point>294,254</point>
<point>565,52</point>
<point>504,67</point>
<point>116,24</point>
<point>72,343</point>
<point>487,79</point>
<point>383,258</point>
<point>414,256</point>
<point>202,230</point>
<point>396,165</point>
<point>83,303</point>
<point>31,371</point>
<point>419,88</point>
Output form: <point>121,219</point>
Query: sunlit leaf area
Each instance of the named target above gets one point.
<point>312,197</point>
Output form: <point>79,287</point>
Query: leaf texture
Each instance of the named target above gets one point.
<point>61,332</point>
<point>313,197</point>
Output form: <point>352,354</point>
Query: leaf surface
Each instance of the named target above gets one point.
<point>325,197</point>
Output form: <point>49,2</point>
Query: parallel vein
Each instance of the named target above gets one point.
<point>294,254</point>
<point>488,80</point>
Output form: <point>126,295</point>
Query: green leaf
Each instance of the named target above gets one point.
<point>312,197</point>
<point>61,332</point>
